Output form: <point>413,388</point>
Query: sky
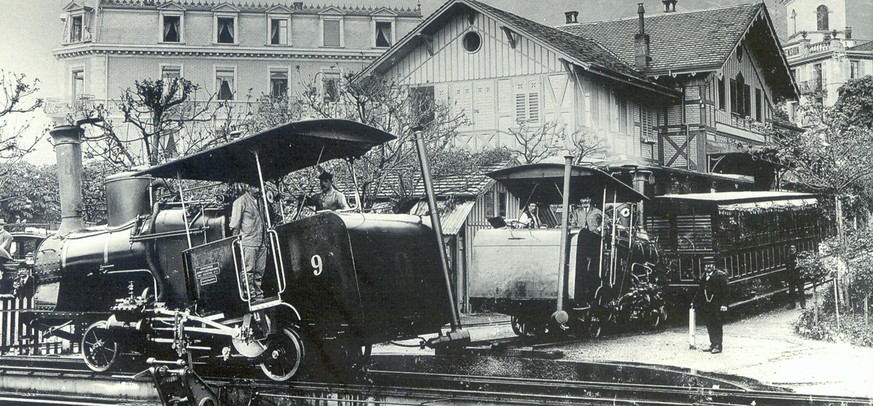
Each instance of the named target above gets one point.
<point>31,29</point>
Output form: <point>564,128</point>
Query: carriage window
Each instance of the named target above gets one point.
<point>502,203</point>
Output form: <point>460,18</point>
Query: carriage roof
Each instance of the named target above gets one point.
<point>737,197</point>
<point>281,150</point>
<point>543,183</point>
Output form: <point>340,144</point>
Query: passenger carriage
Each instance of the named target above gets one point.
<point>748,233</point>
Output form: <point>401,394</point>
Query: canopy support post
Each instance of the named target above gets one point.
<point>560,316</point>
<point>184,211</point>
<point>457,337</point>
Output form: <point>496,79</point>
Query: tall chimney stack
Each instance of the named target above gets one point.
<point>669,5</point>
<point>571,17</point>
<point>641,42</point>
<point>68,150</point>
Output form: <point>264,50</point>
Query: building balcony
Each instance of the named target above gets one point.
<point>814,87</point>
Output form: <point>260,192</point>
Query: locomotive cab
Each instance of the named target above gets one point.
<point>530,275</point>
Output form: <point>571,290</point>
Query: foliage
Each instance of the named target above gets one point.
<point>94,190</point>
<point>29,193</point>
<point>18,98</point>
<point>855,102</point>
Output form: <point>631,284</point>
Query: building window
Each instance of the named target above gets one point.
<point>817,78</point>
<point>721,103</point>
<point>502,203</point>
<point>78,84</point>
<point>622,117</point>
<point>423,103</point>
<point>171,72</point>
<point>224,83</point>
<point>758,105</point>
<point>278,84</point>
<point>854,69</point>
<point>76,28</point>
<point>332,33</point>
<point>472,41</point>
<point>279,31</point>
<point>224,30</point>
<point>330,84</point>
<point>172,30</point>
<point>822,17</point>
<point>741,98</point>
<point>527,102</point>
<point>384,35</point>
<point>489,204</point>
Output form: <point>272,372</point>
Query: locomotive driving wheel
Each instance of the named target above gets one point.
<point>99,347</point>
<point>284,354</point>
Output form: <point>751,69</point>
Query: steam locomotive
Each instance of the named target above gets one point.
<point>568,279</point>
<point>164,279</point>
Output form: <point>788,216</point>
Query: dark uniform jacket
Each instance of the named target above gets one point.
<point>714,291</point>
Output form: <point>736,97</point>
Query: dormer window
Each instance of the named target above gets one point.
<point>332,32</point>
<point>278,30</point>
<point>225,30</point>
<point>384,34</point>
<point>171,30</point>
<point>76,25</point>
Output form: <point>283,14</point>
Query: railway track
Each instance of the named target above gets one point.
<point>59,381</point>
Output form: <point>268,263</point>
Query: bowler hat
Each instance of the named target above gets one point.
<point>325,176</point>
<point>2,221</point>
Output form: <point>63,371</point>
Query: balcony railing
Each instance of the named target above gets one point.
<point>813,87</point>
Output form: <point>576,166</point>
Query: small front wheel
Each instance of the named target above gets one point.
<point>99,347</point>
<point>285,353</point>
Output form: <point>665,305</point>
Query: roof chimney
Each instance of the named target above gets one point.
<point>848,32</point>
<point>571,16</point>
<point>68,150</point>
<point>669,5</point>
<point>641,42</point>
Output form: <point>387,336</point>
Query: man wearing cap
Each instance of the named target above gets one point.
<point>5,240</point>
<point>713,304</point>
<point>329,198</point>
<point>247,221</point>
<point>587,217</point>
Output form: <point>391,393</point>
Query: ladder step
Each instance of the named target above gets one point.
<point>265,303</point>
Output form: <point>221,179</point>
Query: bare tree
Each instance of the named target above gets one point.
<point>537,142</point>
<point>167,118</point>
<point>390,169</point>
<point>18,98</point>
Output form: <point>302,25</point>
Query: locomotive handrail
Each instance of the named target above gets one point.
<point>236,243</point>
<point>166,234</point>
<point>278,263</point>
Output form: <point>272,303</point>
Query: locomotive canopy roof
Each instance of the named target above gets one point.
<point>543,183</point>
<point>281,150</point>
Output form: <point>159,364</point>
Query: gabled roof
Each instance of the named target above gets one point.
<point>582,52</point>
<point>679,41</point>
<point>692,41</point>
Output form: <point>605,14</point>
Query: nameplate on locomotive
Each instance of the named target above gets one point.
<point>208,274</point>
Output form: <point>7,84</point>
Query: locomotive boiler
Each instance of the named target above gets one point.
<point>163,277</point>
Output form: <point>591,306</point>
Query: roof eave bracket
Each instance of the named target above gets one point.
<point>509,36</point>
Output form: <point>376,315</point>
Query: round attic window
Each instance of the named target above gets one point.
<point>472,41</point>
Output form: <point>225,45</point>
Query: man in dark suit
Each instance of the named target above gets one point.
<point>713,303</point>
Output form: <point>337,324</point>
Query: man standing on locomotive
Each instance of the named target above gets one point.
<point>247,221</point>
<point>329,198</point>
<point>713,304</point>
<point>587,217</point>
<point>530,216</point>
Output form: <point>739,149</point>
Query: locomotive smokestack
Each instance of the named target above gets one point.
<point>68,149</point>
